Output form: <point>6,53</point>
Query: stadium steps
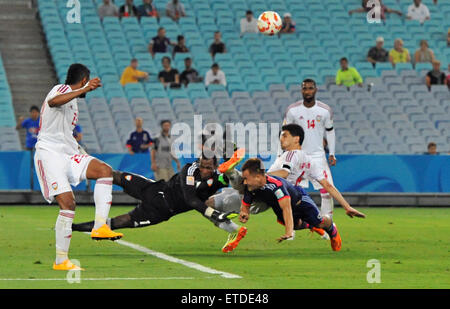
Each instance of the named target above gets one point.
<point>26,60</point>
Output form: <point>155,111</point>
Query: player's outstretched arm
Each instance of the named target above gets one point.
<point>285,205</point>
<point>351,212</point>
<point>62,99</point>
<point>279,173</point>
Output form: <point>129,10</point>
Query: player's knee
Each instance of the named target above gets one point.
<point>326,222</point>
<point>117,178</point>
<point>67,203</point>
<point>105,171</point>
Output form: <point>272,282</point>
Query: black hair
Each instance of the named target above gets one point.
<point>310,80</point>
<point>165,57</point>
<point>180,37</point>
<point>187,58</point>
<point>76,73</point>
<point>249,12</point>
<point>254,166</point>
<point>215,65</point>
<point>34,108</point>
<point>206,157</point>
<point>343,58</point>
<point>134,60</point>
<point>295,130</point>
<point>164,121</point>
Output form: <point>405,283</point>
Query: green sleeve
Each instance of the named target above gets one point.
<point>356,77</point>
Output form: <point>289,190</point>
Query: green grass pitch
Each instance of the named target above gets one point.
<point>412,245</point>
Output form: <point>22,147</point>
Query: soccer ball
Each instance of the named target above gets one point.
<point>269,23</point>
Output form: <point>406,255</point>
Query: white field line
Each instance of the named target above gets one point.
<point>172,259</point>
<point>96,279</point>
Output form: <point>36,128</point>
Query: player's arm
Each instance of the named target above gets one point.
<point>62,99</point>
<point>20,123</point>
<point>285,205</point>
<point>190,197</point>
<point>330,135</point>
<point>279,173</point>
<point>351,212</point>
<point>244,214</point>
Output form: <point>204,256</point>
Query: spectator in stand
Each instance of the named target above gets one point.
<point>424,53</point>
<point>432,149</point>
<point>217,46</point>
<point>180,47</point>
<point>140,140</point>
<point>175,10</point>
<point>159,43</point>
<point>288,24</point>
<point>162,155</point>
<point>249,24</point>
<point>378,53</point>
<point>418,11</point>
<point>399,54</point>
<point>128,9</point>
<point>189,75</point>
<point>148,9</point>
<point>383,10</point>
<point>31,125</point>
<point>131,74</point>
<point>215,76</point>
<point>169,76</point>
<point>435,76</point>
<point>348,76</point>
<point>108,9</point>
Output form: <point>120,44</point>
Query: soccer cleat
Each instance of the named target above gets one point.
<point>321,232</point>
<point>66,265</point>
<point>104,232</point>
<point>234,239</point>
<point>235,159</point>
<point>336,241</point>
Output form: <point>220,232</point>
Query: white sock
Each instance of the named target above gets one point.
<point>103,200</point>
<point>228,226</point>
<point>327,204</point>
<point>63,232</point>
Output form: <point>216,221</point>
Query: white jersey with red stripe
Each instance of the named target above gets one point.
<point>299,166</point>
<point>57,124</point>
<point>314,121</point>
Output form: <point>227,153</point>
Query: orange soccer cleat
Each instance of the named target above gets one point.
<point>336,241</point>
<point>235,159</point>
<point>66,265</point>
<point>234,239</point>
<point>104,232</point>
<point>321,232</point>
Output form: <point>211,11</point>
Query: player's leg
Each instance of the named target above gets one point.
<point>327,203</point>
<point>103,175</point>
<point>119,222</point>
<point>63,227</point>
<point>309,212</point>
<point>132,184</point>
<point>51,171</point>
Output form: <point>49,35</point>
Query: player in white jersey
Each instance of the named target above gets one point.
<point>60,163</point>
<point>316,118</point>
<point>295,165</point>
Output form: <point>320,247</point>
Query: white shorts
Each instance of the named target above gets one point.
<point>322,163</point>
<point>56,171</point>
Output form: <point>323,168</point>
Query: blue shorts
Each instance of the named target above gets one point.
<point>307,210</point>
